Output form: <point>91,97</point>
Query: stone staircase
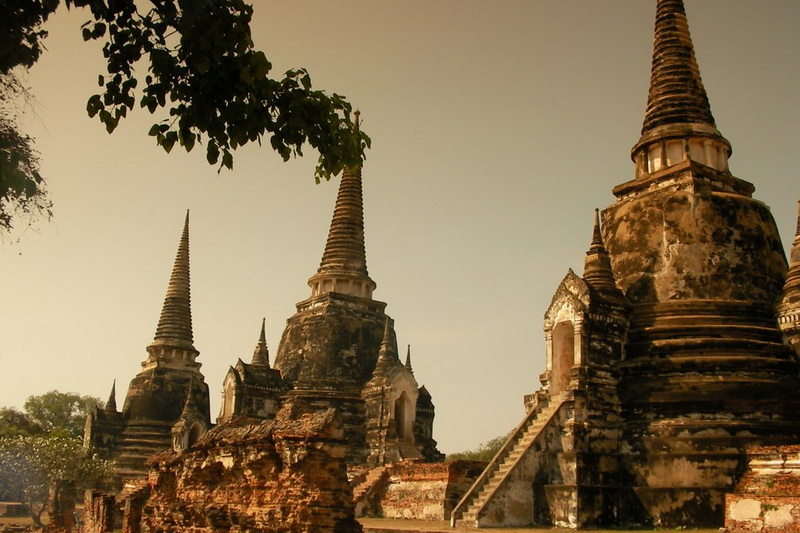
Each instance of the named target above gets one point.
<point>137,444</point>
<point>362,490</point>
<point>485,487</point>
<point>132,488</point>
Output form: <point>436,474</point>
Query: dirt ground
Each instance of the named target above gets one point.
<point>387,525</point>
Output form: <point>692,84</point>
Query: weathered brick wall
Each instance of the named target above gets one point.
<point>423,491</point>
<point>767,499</point>
<point>282,475</point>
<point>99,512</point>
<point>415,490</point>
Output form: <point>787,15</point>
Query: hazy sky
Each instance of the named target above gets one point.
<point>497,127</point>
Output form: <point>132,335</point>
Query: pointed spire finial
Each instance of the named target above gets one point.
<point>676,91</point>
<point>387,354</point>
<point>388,344</point>
<point>408,358</point>
<point>597,271</point>
<point>793,277</point>
<point>175,324</point>
<point>261,353</point>
<point>797,231</point>
<point>188,404</point>
<point>678,109</point>
<point>343,268</point>
<point>111,404</point>
<point>789,306</point>
<point>597,236</point>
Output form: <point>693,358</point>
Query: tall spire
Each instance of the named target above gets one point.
<point>676,92</point>
<point>789,306</point>
<point>677,103</point>
<point>261,353</point>
<point>797,231</point>
<point>343,267</point>
<point>175,325</point>
<point>408,359</point>
<point>793,277</point>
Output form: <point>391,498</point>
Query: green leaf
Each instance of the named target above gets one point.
<point>212,153</point>
<point>169,141</point>
<point>94,105</point>
<point>227,160</point>
<point>305,79</point>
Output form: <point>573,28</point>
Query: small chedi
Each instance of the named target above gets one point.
<point>674,353</point>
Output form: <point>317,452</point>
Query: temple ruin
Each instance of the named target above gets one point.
<point>337,365</point>
<point>670,358</point>
<point>665,359</point>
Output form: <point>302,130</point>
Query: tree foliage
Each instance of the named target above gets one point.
<point>14,423</point>
<point>22,189</point>
<point>29,464</point>
<point>42,444</point>
<point>60,413</point>
<point>484,452</point>
<point>202,69</point>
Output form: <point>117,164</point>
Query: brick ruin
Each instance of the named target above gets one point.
<point>409,489</point>
<point>665,359</point>
<point>285,474</point>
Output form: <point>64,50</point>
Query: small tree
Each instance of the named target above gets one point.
<point>29,464</point>
<point>484,452</point>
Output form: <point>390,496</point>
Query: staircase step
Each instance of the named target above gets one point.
<point>498,469</point>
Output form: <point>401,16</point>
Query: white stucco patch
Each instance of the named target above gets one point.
<point>778,517</point>
<point>745,510</point>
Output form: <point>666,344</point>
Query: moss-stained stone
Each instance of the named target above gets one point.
<point>287,474</point>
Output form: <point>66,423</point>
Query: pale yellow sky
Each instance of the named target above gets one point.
<point>498,126</point>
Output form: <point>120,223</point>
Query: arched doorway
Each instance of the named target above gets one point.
<point>403,417</point>
<point>563,356</point>
<point>194,435</point>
